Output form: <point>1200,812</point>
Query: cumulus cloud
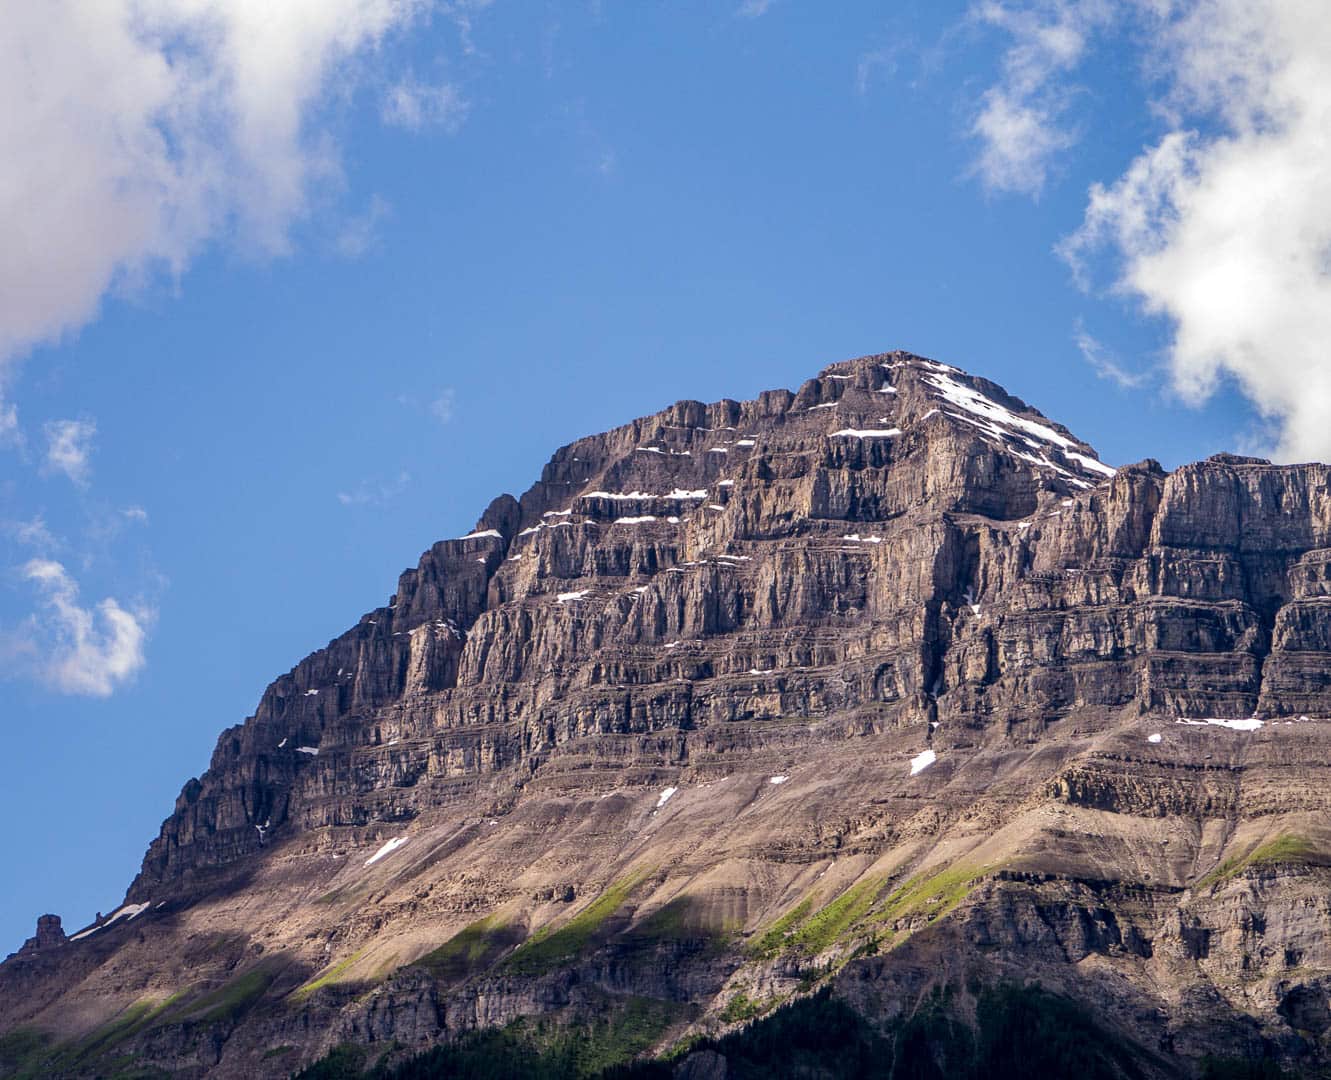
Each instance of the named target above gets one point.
<point>1022,121</point>
<point>1221,227</point>
<point>135,131</point>
<point>80,650</point>
<point>69,448</point>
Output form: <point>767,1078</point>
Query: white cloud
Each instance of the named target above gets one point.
<point>69,448</point>
<point>82,650</point>
<point>1022,120</point>
<point>753,9</point>
<point>1104,364</point>
<point>135,513</point>
<point>1221,227</point>
<point>136,131</point>
<point>413,105</point>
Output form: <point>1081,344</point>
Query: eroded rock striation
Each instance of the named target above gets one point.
<point>885,684</point>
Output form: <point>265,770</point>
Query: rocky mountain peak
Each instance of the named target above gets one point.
<point>883,683</point>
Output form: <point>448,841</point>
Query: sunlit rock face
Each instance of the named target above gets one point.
<point>885,683</point>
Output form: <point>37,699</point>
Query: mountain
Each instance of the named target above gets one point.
<point>861,709</point>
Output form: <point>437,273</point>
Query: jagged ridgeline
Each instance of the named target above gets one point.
<point>861,709</point>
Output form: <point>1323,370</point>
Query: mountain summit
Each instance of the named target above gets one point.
<point>886,693</point>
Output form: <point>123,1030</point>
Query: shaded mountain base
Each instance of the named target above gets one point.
<point>1010,1032</point>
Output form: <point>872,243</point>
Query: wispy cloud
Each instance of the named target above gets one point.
<point>361,232</point>
<point>1021,123</point>
<point>77,649</point>
<point>441,408</point>
<point>135,513</point>
<point>876,60</point>
<point>414,105</point>
<point>753,9</point>
<point>33,533</point>
<point>375,492</point>
<point>10,433</point>
<point>1102,361</point>
<point>69,448</point>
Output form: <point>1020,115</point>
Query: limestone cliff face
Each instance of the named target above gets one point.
<point>886,681</point>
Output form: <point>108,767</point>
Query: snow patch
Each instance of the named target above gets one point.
<point>922,761</point>
<point>745,442</point>
<point>1250,724</point>
<point>129,911</point>
<point>387,849</point>
<point>565,597</point>
<point>665,797</point>
<point>311,693</point>
<point>857,538</point>
<point>313,751</point>
<point>1155,738</point>
<point>634,520</point>
<point>484,534</point>
<point>778,779</point>
<point>884,433</point>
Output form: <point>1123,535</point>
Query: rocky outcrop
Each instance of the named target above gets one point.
<point>50,935</point>
<point>887,680</point>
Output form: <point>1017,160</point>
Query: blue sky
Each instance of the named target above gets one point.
<point>250,372</point>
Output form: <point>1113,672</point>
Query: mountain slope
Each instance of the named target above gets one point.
<point>887,684</point>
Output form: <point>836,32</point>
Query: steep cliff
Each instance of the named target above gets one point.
<point>887,684</point>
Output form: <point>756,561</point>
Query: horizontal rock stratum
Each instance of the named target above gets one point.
<point>884,685</point>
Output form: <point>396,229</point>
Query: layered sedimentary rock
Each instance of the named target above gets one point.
<point>886,683</point>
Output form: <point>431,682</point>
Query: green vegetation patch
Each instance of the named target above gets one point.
<point>1285,850</point>
<point>328,977</point>
<point>774,938</point>
<point>554,947</point>
<point>933,896</point>
<point>231,1000</point>
<point>473,948</point>
<point>812,932</point>
<point>22,1051</point>
<point>835,921</point>
<point>742,1007</point>
<point>26,1053</point>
